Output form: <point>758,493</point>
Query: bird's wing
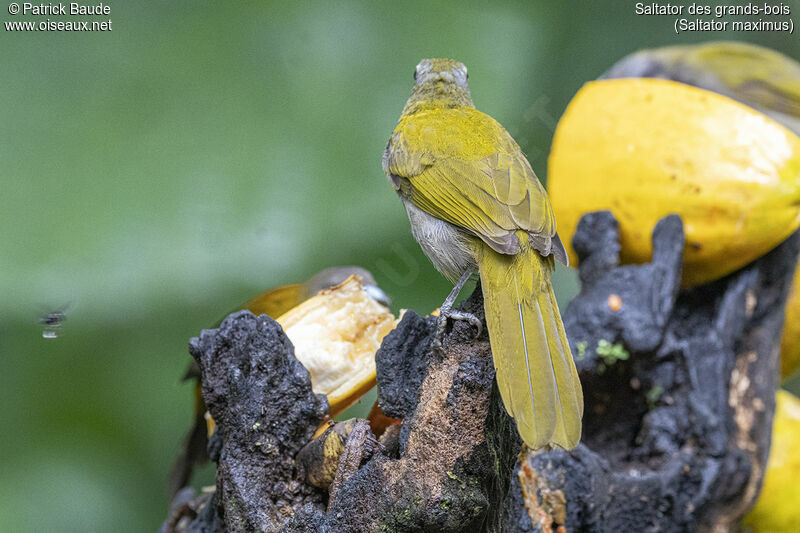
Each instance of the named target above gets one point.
<point>476,178</point>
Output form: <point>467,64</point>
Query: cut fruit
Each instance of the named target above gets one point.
<point>777,508</point>
<point>335,335</point>
<point>646,148</point>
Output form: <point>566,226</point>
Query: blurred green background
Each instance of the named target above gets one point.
<point>155,176</point>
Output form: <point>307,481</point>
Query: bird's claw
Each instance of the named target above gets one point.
<point>468,317</point>
<point>437,344</point>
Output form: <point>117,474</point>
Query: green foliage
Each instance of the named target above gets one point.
<point>609,354</point>
<point>581,348</point>
<point>653,395</point>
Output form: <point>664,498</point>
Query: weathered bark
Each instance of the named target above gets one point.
<point>676,435</point>
<point>260,397</point>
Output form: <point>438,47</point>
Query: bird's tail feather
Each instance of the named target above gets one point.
<point>535,370</point>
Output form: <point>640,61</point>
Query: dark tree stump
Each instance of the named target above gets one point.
<point>453,457</point>
<point>676,437</point>
<point>260,397</point>
<point>679,390</point>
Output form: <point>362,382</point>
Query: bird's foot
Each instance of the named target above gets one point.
<point>437,344</point>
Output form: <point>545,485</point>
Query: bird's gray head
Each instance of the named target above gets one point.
<point>439,83</point>
<point>446,71</point>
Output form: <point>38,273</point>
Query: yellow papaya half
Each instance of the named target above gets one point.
<point>646,148</point>
<point>777,509</point>
<point>790,343</point>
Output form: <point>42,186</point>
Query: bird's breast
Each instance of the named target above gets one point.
<point>448,247</point>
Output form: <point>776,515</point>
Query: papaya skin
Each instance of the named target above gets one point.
<point>763,79</point>
<point>776,508</point>
<point>790,342</point>
<point>646,148</point>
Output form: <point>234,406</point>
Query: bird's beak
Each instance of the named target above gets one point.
<point>378,295</point>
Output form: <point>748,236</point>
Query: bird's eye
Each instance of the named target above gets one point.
<point>415,74</point>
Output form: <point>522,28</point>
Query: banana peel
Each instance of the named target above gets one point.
<point>320,457</point>
<point>646,148</point>
<point>335,335</point>
<point>777,509</point>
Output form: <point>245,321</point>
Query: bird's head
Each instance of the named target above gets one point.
<point>439,83</point>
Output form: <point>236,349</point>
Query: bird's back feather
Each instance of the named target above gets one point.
<point>462,166</point>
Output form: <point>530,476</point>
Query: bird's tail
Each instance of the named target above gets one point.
<point>535,370</point>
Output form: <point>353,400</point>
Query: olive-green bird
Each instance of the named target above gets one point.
<point>274,303</point>
<point>474,203</point>
<point>764,79</point>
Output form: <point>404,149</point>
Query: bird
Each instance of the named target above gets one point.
<point>763,79</point>
<point>274,303</point>
<point>475,205</point>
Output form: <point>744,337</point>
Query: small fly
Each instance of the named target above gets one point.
<point>53,321</point>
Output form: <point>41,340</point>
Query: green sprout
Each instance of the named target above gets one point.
<point>581,347</point>
<point>611,353</point>
<point>653,395</point>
